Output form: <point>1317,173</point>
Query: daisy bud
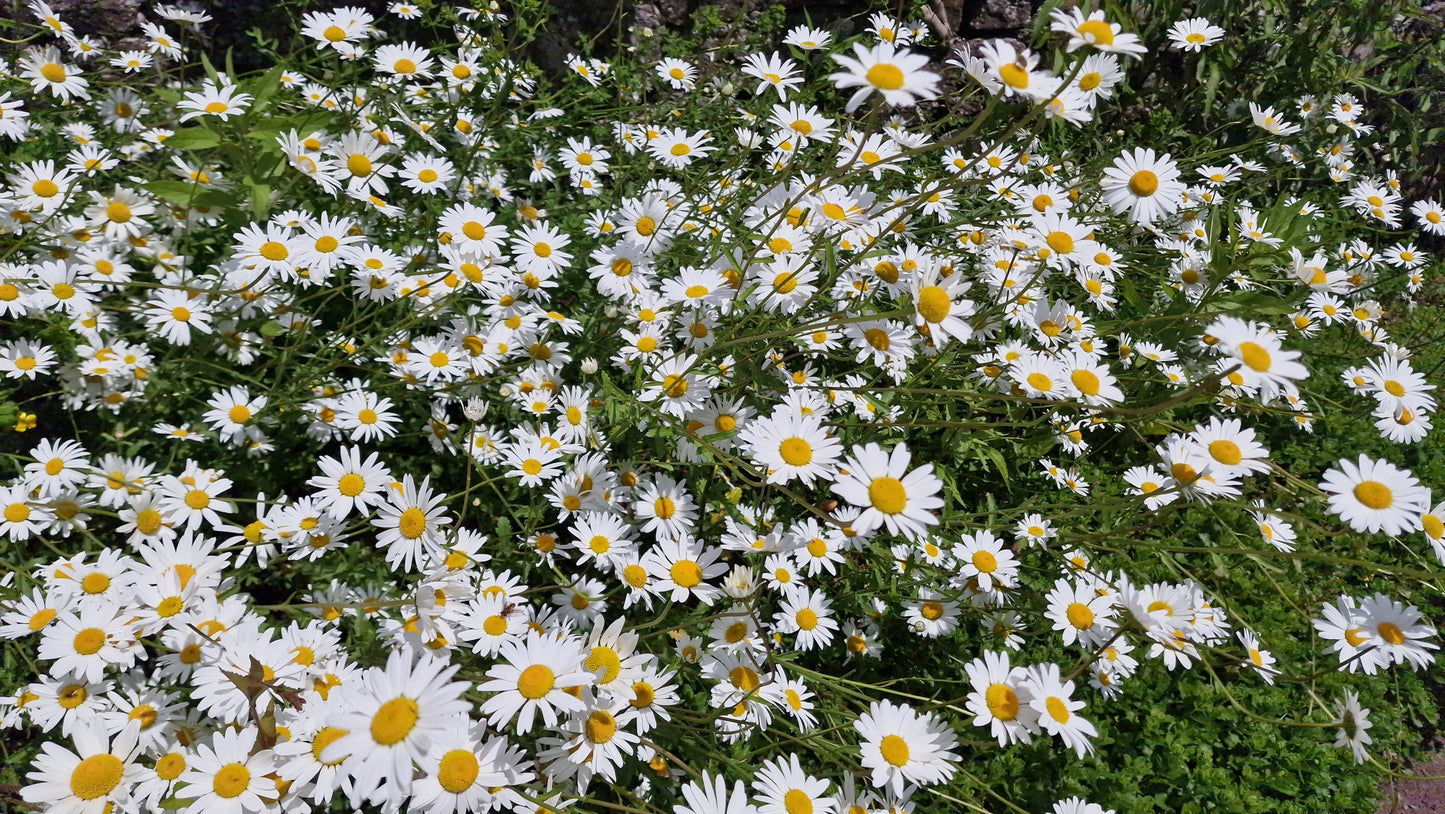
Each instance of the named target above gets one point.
<point>589,366</point>
<point>475,409</point>
<point>741,582</point>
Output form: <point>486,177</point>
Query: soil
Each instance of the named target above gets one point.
<point>1408,795</point>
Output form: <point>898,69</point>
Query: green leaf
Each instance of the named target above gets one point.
<point>260,199</point>
<point>1211,88</point>
<point>272,329</point>
<point>194,138</point>
<point>263,87</point>
<point>188,194</point>
<point>210,69</point>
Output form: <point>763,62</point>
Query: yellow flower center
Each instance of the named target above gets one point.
<point>394,720</point>
<point>797,801</point>
<point>600,726</point>
<point>1097,31</point>
<point>89,641</point>
<point>97,775</point>
<point>1391,632</point>
<point>1080,615</point>
<point>795,452</point>
<point>72,696</point>
<point>458,770</point>
<point>894,749</point>
<point>170,766</point>
<point>885,76</point>
<point>887,495</point>
<point>985,562</point>
<point>232,780</point>
<point>1086,381</point>
<point>412,523</point>
<point>1002,702</point>
<point>685,573</point>
<point>1374,494</point>
<point>1057,709</point>
<point>536,681</point>
<point>1144,183</point>
<point>1254,356</point>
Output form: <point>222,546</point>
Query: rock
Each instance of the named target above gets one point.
<point>111,20</point>
<point>996,15</point>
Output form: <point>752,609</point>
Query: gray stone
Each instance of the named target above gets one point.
<point>997,15</point>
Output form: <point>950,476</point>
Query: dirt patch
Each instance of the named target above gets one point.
<point>1412,795</point>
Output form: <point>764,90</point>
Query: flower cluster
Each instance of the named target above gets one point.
<point>456,441</point>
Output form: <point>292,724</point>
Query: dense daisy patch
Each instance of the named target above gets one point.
<point>821,425</point>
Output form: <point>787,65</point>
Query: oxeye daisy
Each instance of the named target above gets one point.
<point>685,567</point>
<point>410,523</point>
<point>900,746</point>
<point>1374,496</point>
<point>1399,634</point>
<point>679,74</point>
<point>809,614</point>
<point>227,777</point>
<point>1261,660</point>
<point>930,615</point>
<point>1057,711</point>
<point>791,446</point>
<point>1144,185</point>
<point>1353,723</point>
<point>464,771</point>
<point>808,38</point>
<point>1080,613</point>
<point>89,641</point>
<point>46,71</point>
<point>889,493</point>
<point>347,483</point>
<point>406,61</point>
<point>1000,698</point>
<point>224,100</point>
<point>1262,362</point>
<point>983,559</point>
<point>393,715</point>
<point>940,308</point>
<point>535,675</point>
<point>775,71</point>
<point>710,796</point>
<point>1194,34</point>
<point>93,779</point>
<point>782,787</point>
<point>896,73</point>
<point>1094,31</point>
<point>676,148</point>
